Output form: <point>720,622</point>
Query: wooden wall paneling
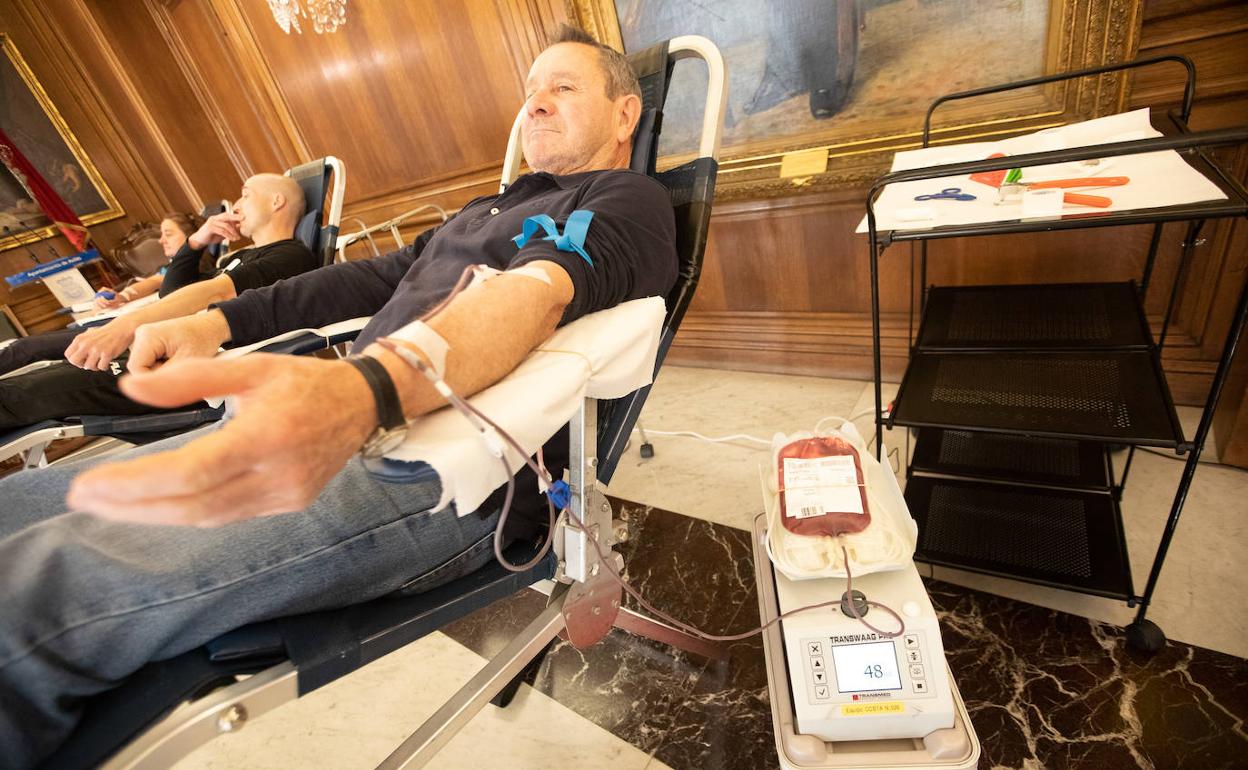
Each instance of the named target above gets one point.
<point>135,34</point>
<point>403,93</point>
<point>208,150</point>
<point>247,46</point>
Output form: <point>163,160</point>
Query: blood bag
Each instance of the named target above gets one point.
<point>822,491</point>
<point>828,499</point>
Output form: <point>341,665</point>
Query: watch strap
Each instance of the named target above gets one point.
<point>385,395</point>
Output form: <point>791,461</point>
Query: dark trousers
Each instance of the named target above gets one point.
<point>48,346</point>
<point>64,390</point>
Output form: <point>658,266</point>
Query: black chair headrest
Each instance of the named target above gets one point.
<point>314,179</point>
<point>653,67</point>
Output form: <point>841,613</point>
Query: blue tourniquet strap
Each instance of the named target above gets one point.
<point>572,239</point>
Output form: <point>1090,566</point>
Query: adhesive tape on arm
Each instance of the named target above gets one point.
<point>531,271</point>
<point>430,343</point>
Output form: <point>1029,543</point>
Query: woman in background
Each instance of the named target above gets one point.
<point>174,230</point>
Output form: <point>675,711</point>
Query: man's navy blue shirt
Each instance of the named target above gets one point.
<point>631,240</point>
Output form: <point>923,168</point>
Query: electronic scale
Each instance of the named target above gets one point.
<point>841,695</point>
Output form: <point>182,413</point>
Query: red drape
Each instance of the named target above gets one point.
<point>49,202</point>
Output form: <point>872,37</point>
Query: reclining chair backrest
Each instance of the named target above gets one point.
<point>323,181</point>
<point>692,187</point>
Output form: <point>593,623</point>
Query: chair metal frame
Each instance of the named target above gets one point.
<point>366,232</point>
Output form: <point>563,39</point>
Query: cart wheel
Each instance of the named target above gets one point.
<point>1145,635</point>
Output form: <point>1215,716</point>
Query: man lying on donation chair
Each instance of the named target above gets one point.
<point>88,597</point>
<point>86,383</point>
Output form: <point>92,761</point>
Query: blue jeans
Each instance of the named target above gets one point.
<point>85,602</point>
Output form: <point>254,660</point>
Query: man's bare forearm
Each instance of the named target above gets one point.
<point>489,329</point>
<point>185,301</point>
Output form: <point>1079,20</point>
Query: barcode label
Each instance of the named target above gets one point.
<point>820,485</point>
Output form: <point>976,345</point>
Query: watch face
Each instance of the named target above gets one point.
<point>383,441</point>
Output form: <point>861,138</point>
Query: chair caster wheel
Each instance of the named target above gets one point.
<point>1146,636</point>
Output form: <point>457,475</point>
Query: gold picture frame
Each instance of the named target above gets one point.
<point>46,127</point>
<point>837,153</point>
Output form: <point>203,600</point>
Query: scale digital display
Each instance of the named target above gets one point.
<point>865,667</point>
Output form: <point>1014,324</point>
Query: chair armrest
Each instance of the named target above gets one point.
<point>300,341</point>
<point>148,426</point>
<point>607,354</point>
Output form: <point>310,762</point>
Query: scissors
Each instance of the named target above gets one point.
<point>949,193</point>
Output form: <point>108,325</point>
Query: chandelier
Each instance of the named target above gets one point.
<point>326,15</point>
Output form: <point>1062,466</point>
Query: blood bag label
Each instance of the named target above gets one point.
<point>821,485</point>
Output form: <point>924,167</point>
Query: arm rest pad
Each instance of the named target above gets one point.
<point>607,354</point>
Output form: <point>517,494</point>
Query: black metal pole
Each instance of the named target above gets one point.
<point>1198,444</point>
<point>1148,263</point>
<point>1180,275</point>
<point>1126,468</point>
<point>875,340</point>
<point>1189,88</point>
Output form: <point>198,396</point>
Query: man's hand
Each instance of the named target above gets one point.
<point>297,422</point>
<point>217,228</point>
<point>196,336</point>
<point>95,348</point>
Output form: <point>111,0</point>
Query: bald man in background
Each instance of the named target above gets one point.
<point>266,212</point>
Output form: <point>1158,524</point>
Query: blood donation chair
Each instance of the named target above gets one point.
<point>170,707</point>
<point>324,185</point>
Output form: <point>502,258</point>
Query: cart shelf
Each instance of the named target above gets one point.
<point>1069,539</point>
<point>1115,396</point>
<point>1018,459</point>
<point>1051,316</point>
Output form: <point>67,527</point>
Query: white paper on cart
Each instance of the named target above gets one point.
<point>1157,178</point>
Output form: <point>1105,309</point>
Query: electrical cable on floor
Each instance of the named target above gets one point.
<point>740,436</point>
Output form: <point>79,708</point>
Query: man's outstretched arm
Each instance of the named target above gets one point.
<point>95,348</point>
<point>299,420</point>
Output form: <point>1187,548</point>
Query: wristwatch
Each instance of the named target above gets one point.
<point>392,427</point>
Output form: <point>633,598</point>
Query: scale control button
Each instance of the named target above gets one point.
<point>821,677</point>
<point>821,692</point>
<point>912,641</point>
<point>916,671</point>
<point>914,656</point>
<point>910,609</point>
<point>920,686</point>
<point>814,649</point>
<point>817,664</point>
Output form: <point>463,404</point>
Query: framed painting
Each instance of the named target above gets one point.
<point>36,128</point>
<point>841,85</point>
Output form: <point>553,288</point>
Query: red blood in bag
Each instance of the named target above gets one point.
<point>831,523</point>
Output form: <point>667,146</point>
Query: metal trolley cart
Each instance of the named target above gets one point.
<point>1015,475</point>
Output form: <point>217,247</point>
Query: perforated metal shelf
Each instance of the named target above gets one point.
<point>1118,396</point>
<point>1062,538</point>
<point>1022,459</point>
<point>1050,316</point>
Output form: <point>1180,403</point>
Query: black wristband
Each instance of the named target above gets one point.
<point>385,396</point>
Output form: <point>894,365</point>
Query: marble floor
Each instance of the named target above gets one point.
<point>1045,674</point>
